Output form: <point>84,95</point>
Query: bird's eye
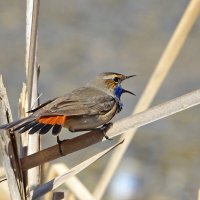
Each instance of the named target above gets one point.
<point>116,79</point>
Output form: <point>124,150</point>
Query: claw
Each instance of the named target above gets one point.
<point>105,128</point>
<point>59,144</point>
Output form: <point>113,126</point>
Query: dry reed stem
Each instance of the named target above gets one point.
<point>74,184</point>
<point>9,150</point>
<point>166,61</point>
<point>32,80</point>
<point>71,145</point>
<point>23,107</point>
<point>55,183</point>
<point>31,25</point>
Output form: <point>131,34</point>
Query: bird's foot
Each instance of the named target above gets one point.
<point>105,128</point>
<point>60,146</point>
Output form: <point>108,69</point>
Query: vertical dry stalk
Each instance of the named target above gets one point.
<point>23,107</point>
<point>32,79</point>
<point>31,38</point>
<point>9,150</point>
<point>166,61</point>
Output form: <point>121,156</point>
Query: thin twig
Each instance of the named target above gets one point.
<point>3,179</point>
<point>69,146</point>
<point>166,61</point>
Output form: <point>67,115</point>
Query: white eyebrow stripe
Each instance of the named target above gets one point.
<point>108,77</point>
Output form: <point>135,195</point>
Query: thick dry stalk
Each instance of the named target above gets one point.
<point>9,150</point>
<point>34,175</point>
<point>32,25</point>
<point>32,80</point>
<point>166,61</point>
<point>69,146</point>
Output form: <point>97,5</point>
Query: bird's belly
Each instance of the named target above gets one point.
<point>88,122</point>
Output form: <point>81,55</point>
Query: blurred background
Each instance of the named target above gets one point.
<point>79,39</point>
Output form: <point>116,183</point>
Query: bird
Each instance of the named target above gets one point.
<point>84,109</point>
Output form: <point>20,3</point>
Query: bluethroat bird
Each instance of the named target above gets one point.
<point>83,109</point>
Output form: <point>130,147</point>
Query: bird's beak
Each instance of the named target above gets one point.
<point>126,91</point>
<point>126,77</point>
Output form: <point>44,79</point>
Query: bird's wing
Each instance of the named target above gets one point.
<point>83,101</point>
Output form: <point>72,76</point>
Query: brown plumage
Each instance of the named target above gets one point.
<point>82,109</point>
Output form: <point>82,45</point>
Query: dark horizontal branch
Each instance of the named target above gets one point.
<point>67,146</point>
<point>136,121</point>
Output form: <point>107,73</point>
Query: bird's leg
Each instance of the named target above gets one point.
<point>105,128</point>
<point>59,144</point>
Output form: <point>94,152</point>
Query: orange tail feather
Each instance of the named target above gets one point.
<point>58,119</point>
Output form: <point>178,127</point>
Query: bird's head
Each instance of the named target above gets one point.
<point>110,83</point>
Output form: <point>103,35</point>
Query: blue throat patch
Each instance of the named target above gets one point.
<point>118,91</point>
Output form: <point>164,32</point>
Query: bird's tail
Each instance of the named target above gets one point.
<point>40,124</point>
<point>17,124</point>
